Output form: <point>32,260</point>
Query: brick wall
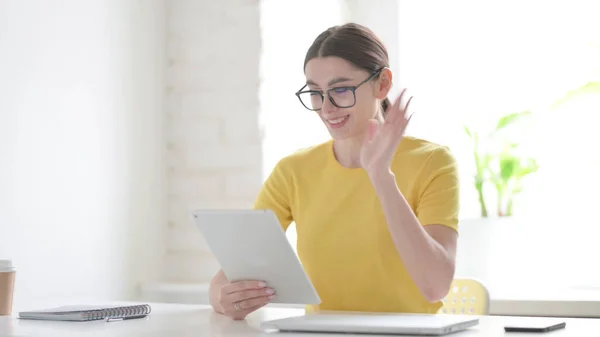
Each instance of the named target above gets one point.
<point>213,135</point>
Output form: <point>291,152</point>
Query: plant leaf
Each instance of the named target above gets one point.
<point>483,164</point>
<point>530,167</point>
<point>468,131</point>
<point>586,89</point>
<point>510,119</point>
<point>509,165</point>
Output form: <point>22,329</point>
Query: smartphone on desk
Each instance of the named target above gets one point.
<point>535,325</point>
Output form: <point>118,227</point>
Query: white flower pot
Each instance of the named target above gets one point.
<point>482,246</point>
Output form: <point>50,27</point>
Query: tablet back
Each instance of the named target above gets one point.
<point>251,245</point>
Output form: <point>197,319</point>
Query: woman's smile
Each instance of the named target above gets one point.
<point>336,123</point>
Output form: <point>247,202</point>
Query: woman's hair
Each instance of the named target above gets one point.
<point>354,43</point>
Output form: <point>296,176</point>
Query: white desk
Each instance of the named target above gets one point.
<point>180,320</point>
<point>527,301</point>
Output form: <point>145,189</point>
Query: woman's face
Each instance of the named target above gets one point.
<point>335,74</point>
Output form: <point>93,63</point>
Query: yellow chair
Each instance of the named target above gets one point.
<point>466,297</point>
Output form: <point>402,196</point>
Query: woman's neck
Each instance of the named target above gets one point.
<point>347,151</point>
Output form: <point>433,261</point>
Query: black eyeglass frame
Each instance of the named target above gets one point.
<point>351,88</point>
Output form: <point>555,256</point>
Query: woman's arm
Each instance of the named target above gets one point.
<point>427,249</point>
<point>252,294</point>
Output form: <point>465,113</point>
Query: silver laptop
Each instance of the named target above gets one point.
<point>395,324</point>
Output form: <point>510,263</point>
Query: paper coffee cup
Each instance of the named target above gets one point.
<point>7,286</point>
<point>6,266</point>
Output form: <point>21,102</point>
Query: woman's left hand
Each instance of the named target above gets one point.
<point>382,139</point>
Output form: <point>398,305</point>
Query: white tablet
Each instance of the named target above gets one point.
<point>251,245</point>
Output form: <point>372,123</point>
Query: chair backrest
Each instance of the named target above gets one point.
<point>466,297</point>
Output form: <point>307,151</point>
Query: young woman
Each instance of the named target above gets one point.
<point>376,212</point>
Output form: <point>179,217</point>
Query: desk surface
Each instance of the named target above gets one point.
<point>192,320</point>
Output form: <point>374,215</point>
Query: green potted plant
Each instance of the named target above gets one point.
<point>499,163</point>
<point>500,168</point>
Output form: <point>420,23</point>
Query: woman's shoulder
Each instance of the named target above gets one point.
<point>415,145</point>
<point>306,156</point>
<point>420,152</point>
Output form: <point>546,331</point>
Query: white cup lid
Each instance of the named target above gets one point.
<point>6,264</point>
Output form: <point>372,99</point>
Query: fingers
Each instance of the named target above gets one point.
<point>245,307</point>
<point>407,120</point>
<point>242,286</point>
<point>399,99</point>
<point>248,294</point>
<point>252,302</point>
<point>373,128</point>
<point>406,107</point>
<point>397,112</point>
<point>400,124</point>
<point>238,299</point>
<point>242,314</point>
<point>393,112</point>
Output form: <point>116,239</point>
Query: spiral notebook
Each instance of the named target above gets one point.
<point>88,313</point>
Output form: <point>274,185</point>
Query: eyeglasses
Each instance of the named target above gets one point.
<point>341,97</point>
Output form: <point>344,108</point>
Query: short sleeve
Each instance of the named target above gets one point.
<point>439,203</point>
<point>276,194</point>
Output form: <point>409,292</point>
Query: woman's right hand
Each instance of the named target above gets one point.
<point>238,299</point>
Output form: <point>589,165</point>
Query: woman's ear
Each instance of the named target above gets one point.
<point>384,83</point>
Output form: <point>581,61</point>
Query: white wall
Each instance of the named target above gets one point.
<point>81,145</point>
<point>286,37</point>
<point>214,139</point>
<point>231,114</point>
<point>381,16</point>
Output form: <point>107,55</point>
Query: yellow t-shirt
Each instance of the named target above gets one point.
<point>343,237</point>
